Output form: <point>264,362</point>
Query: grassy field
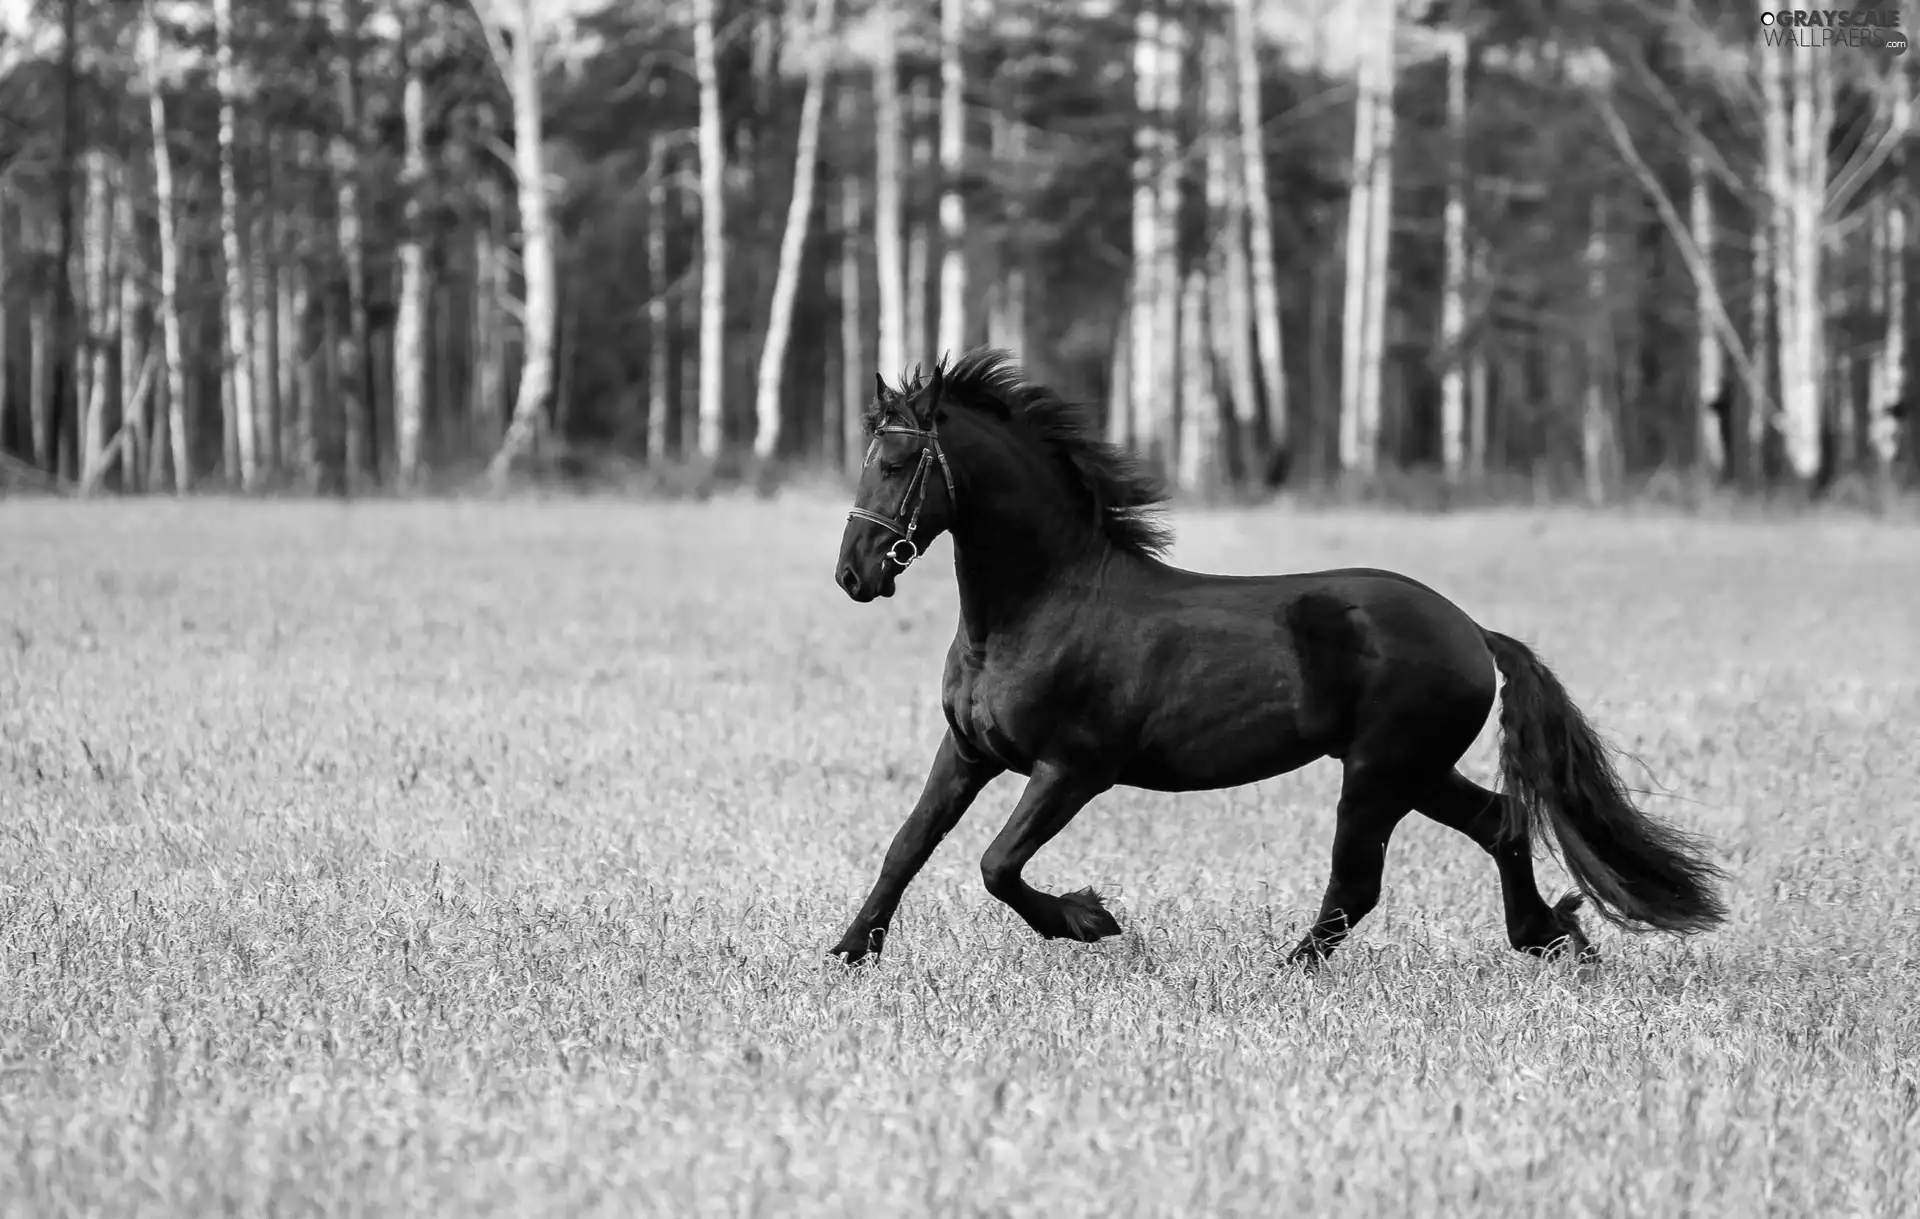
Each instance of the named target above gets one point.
<point>480,859</point>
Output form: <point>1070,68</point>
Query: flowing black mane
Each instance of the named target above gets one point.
<point>1124,495</point>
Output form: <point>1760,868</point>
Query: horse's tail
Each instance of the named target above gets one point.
<point>1556,771</point>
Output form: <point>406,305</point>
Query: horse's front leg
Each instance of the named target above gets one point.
<point>952,783</point>
<point>1053,796</point>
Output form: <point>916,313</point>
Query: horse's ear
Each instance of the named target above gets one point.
<point>930,399</point>
<point>880,390</point>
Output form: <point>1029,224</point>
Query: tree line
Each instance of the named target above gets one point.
<point>346,245</point>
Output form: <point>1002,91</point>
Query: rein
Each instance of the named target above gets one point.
<point>916,492</point>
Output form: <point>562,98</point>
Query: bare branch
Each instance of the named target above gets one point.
<point>1753,382</point>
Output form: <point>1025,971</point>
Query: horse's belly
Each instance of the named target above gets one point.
<point>1203,745</point>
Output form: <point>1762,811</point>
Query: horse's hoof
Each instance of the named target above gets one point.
<point>1308,956</point>
<point>1086,917</point>
<point>858,949</point>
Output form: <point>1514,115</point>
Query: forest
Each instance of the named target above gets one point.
<point>1551,248</point>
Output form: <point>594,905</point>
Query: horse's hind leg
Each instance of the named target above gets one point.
<point>1373,799</point>
<point>1532,926</point>
<point>1051,799</point>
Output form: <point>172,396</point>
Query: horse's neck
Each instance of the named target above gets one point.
<point>1009,567</point>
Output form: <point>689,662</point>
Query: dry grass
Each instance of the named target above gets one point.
<point>479,859</point>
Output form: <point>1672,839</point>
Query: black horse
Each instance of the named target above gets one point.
<point>1084,662</point>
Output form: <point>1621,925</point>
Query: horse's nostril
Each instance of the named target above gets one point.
<point>849,581</point>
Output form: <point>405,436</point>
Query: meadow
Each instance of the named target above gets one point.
<point>480,859</point>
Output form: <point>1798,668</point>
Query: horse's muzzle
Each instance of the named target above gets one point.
<point>864,589</point>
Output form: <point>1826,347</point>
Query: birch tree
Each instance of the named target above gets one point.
<point>516,39</point>
<point>920,163</point>
<point>1142,345</point>
<point>345,433</point>
<point>490,295</point>
<point>95,355</point>
<point>1595,418</point>
<point>1259,220</point>
<point>886,190</point>
<point>137,367</point>
<point>1199,421</point>
<point>410,321</point>
<point>8,402</point>
<point>953,151</point>
<point>1007,295</point>
<point>713,236</point>
<point>263,287</point>
<point>1370,214</point>
<point>1230,303</point>
<point>853,356</point>
<point>238,316</point>
<point>1803,313</point>
<point>773,354</point>
<point>53,441</point>
<point>1453,309</point>
<point>1710,375</point>
<point>659,346</point>
<point>1166,403</point>
<point>1883,427</point>
<point>1798,380</point>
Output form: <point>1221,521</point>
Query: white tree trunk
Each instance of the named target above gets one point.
<point>288,307</point>
<point>659,349</point>
<point>1200,412</point>
<point>713,237</point>
<point>486,391</point>
<point>410,321</point>
<point>855,373</point>
<point>1354,454</point>
<point>1453,305</point>
<point>1166,404</point>
<point>1595,420</point>
<point>238,319</point>
<point>1120,393</point>
<point>521,65</point>
<point>1760,311</point>
<point>1712,371</point>
<point>1130,425</point>
<point>953,153</point>
<point>1785,263</point>
<point>135,379</point>
<point>7,399</point>
<point>1883,427</point>
<point>1477,404</point>
<point>97,318</point>
<point>305,330</point>
<point>919,251</point>
<point>1266,294</point>
<point>1230,303</point>
<point>349,439</point>
<point>1811,117</point>
<point>998,127</point>
<point>1380,242</point>
<point>892,355</point>
<point>786,284</point>
<point>263,286</point>
<point>40,378</point>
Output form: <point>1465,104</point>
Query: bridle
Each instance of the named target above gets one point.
<point>916,492</point>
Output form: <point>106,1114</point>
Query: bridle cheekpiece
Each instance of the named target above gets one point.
<point>915,494</point>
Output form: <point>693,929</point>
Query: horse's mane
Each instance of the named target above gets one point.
<point>1124,494</point>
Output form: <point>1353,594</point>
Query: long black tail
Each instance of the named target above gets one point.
<point>1557,772</point>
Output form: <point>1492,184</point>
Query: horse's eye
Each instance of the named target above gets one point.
<point>891,468</point>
